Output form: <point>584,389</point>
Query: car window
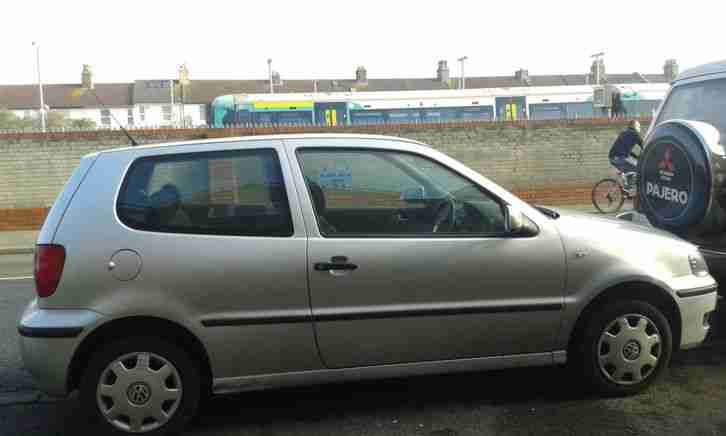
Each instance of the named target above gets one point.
<point>703,101</point>
<point>221,193</point>
<point>381,192</point>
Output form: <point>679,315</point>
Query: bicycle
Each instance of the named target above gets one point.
<point>609,195</point>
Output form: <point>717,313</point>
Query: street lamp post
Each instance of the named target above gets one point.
<point>40,87</point>
<point>462,85</point>
<point>269,75</point>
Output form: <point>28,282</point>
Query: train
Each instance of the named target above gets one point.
<point>434,106</point>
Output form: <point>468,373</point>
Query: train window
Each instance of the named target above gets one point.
<point>439,115</point>
<point>482,113</point>
<point>641,108</point>
<point>299,117</point>
<point>367,117</point>
<point>262,117</point>
<point>547,111</point>
<point>403,116</point>
<point>579,110</point>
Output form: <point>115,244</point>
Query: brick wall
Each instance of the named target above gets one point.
<point>550,162</point>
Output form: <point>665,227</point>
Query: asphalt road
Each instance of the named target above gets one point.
<point>14,295</point>
<point>690,400</point>
<point>16,265</point>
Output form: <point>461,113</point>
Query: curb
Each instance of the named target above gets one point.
<point>16,250</point>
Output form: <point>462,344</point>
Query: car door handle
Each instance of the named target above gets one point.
<point>337,263</point>
<point>330,266</point>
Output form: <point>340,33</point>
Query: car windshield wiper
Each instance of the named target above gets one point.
<point>549,212</point>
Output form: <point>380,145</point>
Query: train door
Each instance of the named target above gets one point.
<point>331,113</point>
<point>331,117</point>
<point>511,108</point>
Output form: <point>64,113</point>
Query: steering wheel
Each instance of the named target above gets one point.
<point>444,216</point>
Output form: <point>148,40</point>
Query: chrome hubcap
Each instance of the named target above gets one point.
<point>139,392</point>
<point>629,349</point>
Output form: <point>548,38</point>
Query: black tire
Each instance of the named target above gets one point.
<point>187,368</point>
<point>607,197</point>
<point>584,354</point>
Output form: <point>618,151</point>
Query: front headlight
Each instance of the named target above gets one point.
<point>698,264</point>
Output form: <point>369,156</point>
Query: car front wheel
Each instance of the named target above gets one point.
<point>625,347</point>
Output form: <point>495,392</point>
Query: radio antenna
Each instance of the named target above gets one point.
<point>133,141</point>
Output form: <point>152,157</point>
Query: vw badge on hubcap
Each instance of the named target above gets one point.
<point>631,350</point>
<point>139,393</point>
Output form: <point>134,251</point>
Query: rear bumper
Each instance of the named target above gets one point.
<point>696,305</point>
<point>48,340</point>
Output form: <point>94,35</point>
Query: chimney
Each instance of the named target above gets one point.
<point>184,75</point>
<point>522,76</point>
<point>670,70</point>
<point>86,77</point>
<point>361,75</point>
<point>597,72</point>
<point>442,73</point>
<point>276,80</point>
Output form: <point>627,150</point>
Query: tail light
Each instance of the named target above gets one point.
<point>49,261</point>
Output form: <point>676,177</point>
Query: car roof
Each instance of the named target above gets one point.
<point>703,70</point>
<point>256,138</point>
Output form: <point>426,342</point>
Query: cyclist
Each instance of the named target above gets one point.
<point>621,153</point>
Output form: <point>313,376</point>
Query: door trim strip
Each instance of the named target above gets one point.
<point>377,312</point>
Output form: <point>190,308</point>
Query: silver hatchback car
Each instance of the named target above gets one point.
<point>167,272</point>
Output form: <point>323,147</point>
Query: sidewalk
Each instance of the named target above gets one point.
<point>22,242</point>
<point>19,242</point>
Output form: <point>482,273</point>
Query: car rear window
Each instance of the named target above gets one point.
<point>238,193</point>
<point>702,101</point>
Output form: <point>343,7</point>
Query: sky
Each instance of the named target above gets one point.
<point>325,39</point>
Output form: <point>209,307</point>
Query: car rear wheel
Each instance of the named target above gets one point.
<point>141,386</point>
<point>625,347</point>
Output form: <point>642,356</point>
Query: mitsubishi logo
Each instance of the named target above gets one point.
<point>666,164</point>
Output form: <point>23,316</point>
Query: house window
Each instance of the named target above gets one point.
<point>166,111</point>
<point>130,117</point>
<point>105,117</point>
<point>142,113</point>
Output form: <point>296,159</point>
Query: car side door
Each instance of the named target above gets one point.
<point>440,278</point>
<point>218,233</point>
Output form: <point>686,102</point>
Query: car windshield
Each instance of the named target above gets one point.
<point>703,101</point>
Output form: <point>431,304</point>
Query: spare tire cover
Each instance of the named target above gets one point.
<point>674,178</point>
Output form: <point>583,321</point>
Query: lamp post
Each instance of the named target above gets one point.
<point>462,85</point>
<point>269,75</point>
<point>41,110</point>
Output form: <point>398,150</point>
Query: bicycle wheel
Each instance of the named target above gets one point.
<point>607,197</point>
